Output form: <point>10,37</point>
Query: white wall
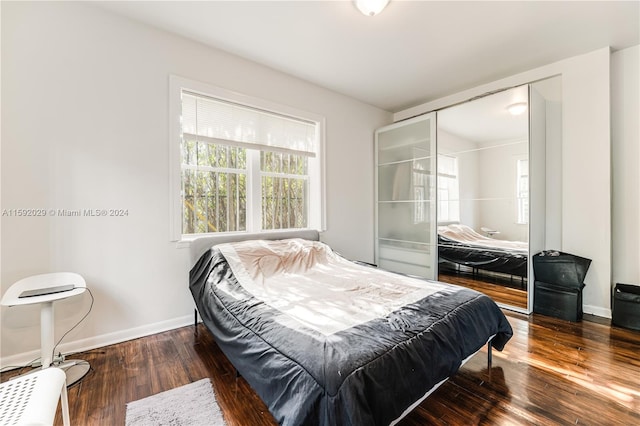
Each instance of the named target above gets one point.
<point>586,167</point>
<point>498,182</point>
<point>468,174</point>
<point>553,174</point>
<point>85,126</point>
<point>625,153</point>
<point>485,175</point>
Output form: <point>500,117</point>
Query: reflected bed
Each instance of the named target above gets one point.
<point>462,245</point>
<point>326,341</point>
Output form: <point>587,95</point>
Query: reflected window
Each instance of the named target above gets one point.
<point>448,189</point>
<point>522,177</point>
<point>420,191</point>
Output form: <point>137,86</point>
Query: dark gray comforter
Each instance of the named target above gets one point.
<point>366,375</point>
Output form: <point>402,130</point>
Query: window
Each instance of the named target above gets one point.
<point>522,185</point>
<point>242,164</point>
<point>448,192</point>
<point>420,183</point>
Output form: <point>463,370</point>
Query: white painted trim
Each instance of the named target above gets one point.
<point>239,98</point>
<point>175,135</point>
<point>597,311</point>
<point>100,341</point>
<point>318,201</point>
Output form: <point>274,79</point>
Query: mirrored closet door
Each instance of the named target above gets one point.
<point>487,169</point>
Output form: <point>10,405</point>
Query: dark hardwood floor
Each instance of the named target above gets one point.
<point>507,290</point>
<point>551,372</point>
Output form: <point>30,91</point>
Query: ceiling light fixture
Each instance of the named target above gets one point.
<point>371,7</point>
<point>517,108</point>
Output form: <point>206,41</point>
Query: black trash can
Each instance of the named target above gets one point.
<point>559,280</point>
<point>626,306</point>
<point>562,269</point>
<point>557,301</point>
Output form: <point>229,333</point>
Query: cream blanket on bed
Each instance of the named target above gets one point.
<point>466,235</point>
<point>315,287</point>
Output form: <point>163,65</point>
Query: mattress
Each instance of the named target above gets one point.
<point>326,341</point>
<point>461,244</point>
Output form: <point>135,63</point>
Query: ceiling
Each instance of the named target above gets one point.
<point>486,120</point>
<point>413,52</point>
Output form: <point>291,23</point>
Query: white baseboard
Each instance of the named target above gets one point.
<point>597,310</point>
<point>87,344</point>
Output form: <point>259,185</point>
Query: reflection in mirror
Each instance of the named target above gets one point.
<point>483,195</point>
<point>405,176</point>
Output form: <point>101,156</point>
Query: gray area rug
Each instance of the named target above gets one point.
<point>189,405</point>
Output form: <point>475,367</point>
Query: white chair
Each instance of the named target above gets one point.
<point>32,399</point>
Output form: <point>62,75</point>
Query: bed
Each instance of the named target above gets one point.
<point>326,341</point>
<point>462,245</point>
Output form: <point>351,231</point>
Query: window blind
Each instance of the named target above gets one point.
<point>222,122</point>
<point>447,165</point>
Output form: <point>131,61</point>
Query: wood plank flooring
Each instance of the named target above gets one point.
<point>551,372</point>
<point>500,293</point>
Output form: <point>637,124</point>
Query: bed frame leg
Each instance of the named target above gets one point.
<point>489,355</point>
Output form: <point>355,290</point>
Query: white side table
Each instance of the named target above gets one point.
<point>75,369</point>
<point>490,232</point>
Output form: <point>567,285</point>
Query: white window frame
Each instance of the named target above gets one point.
<point>317,214</point>
<point>522,203</point>
<point>456,177</point>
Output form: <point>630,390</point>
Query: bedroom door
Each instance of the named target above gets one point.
<point>405,211</point>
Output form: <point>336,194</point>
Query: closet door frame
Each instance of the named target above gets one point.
<point>537,184</point>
